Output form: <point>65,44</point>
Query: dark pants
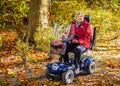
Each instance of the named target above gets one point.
<point>77,49</point>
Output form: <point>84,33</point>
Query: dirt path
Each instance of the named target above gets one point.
<point>107,74</point>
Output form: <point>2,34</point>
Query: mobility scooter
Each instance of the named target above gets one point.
<point>67,72</point>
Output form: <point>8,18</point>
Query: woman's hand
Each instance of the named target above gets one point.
<point>74,41</point>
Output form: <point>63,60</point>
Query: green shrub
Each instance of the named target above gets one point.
<point>43,37</point>
<point>2,83</point>
<point>22,48</point>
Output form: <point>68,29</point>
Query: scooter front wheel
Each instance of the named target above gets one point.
<point>67,77</point>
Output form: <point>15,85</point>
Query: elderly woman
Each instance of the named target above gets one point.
<point>80,33</point>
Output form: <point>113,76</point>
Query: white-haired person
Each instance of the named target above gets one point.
<point>80,32</point>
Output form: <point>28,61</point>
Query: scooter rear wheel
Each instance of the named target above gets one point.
<point>47,74</point>
<point>91,67</point>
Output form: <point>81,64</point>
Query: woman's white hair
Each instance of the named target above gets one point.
<point>78,13</point>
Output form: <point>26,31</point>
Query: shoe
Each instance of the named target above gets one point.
<point>73,66</point>
<point>77,71</point>
<point>67,63</point>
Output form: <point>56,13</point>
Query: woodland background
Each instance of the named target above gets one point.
<point>28,26</point>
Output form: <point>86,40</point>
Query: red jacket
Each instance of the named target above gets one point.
<point>83,31</point>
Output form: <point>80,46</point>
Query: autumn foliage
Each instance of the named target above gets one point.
<point>24,65</point>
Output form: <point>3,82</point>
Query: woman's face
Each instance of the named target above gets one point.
<point>79,18</point>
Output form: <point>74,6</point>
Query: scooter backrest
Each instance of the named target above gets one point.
<point>87,18</point>
<point>93,38</point>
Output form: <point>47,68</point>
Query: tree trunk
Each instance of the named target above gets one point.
<point>38,17</point>
<point>34,18</point>
<point>44,11</point>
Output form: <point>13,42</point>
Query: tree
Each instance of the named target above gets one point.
<point>38,17</point>
<point>13,15</point>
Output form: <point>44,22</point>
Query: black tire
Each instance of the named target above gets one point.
<point>91,67</point>
<point>67,77</point>
<point>47,74</point>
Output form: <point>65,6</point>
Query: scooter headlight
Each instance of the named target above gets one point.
<point>55,66</point>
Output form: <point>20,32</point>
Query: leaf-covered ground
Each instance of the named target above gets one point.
<point>15,72</point>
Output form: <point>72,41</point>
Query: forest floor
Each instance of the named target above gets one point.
<point>14,71</point>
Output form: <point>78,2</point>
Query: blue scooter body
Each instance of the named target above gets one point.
<point>57,68</point>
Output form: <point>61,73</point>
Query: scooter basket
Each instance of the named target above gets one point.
<point>56,44</point>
